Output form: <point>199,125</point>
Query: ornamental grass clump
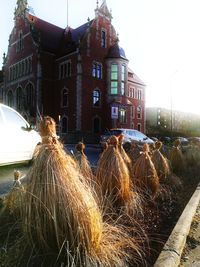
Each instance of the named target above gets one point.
<point>134,152</point>
<point>123,152</point>
<point>176,158</point>
<point>83,162</point>
<point>160,162</point>
<point>113,179</point>
<point>60,216</point>
<point>145,174</point>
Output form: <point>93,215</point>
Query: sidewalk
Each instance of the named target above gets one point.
<point>191,252</point>
<point>174,247</point>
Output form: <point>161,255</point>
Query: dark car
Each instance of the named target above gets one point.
<point>166,140</point>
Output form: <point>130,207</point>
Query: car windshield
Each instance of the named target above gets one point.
<point>113,132</point>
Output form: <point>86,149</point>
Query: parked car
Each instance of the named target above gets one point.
<point>17,139</point>
<point>195,140</point>
<point>129,135</point>
<point>166,140</point>
<point>184,141</point>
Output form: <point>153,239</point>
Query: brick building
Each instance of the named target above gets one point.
<point>80,77</point>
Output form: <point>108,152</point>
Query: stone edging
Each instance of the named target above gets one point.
<point>170,256</point>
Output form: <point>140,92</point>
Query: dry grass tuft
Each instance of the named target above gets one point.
<point>176,158</point>
<point>83,162</point>
<point>60,215</point>
<point>145,173</point>
<point>160,162</point>
<point>113,180</point>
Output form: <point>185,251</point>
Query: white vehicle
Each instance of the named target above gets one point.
<point>17,139</point>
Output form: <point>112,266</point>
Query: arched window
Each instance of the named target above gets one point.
<point>10,98</point>
<point>139,127</point>
<point>96,98</point>
<point>64,98</point>
<point>30,97</point>
<point>19,99</point>
<point>96,125</point>
<point>64,125</point>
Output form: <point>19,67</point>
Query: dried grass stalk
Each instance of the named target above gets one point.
<point>160,162</point>
<point>176,158</point>
<point>112,177</point>
<point>123,152</point>
<point>60,214</point>
<point>134,152</point>
<point>83,162</point>
<point>145,173</point>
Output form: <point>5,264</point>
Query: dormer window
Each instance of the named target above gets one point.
<point>103,39</point>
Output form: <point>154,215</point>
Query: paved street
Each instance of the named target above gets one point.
<point>6,173</point>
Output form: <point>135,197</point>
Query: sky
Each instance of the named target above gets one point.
<point>161,39</point>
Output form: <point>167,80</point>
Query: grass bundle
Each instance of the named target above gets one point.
<point>145,174</point>
<point>160,162</point>
<point>176,158</point>
<point>83,162</point>
<point>61,218</point>
<point>134,152</point>
<point>123,152</point>
<point>112,177</point>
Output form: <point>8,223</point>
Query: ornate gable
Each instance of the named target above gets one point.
<point>103,10</point>
<point>22,7</point>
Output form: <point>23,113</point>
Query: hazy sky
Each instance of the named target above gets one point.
<point>161,39</point>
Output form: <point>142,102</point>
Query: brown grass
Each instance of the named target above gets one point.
<point>160,162</point>
<point>83,162</point>
<point>144,172</point>
<point>113,180</point>
<point>61,217</point>
<point>176,158</point>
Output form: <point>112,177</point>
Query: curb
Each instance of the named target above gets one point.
<point>170,256</point>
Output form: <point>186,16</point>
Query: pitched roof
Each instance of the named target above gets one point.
<point>80,31</point>
<point>135,78</point>
<point>116,51</point>
<point>50,35</point>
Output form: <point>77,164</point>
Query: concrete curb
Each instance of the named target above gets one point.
<point>171,253</point>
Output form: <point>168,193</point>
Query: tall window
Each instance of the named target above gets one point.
<point>123,70</point>
<point>122,115</point>
<point>139,112</point>
<point>139,94</point>
<point>132,112</point>
<point>19,44</point>
<point>114,79</point>
<point>10,98</point>
<point>96,98</point>
<point>64,98</point>
<point>19,99</point>
<point>139,127</point>
<point>30,97</point>
<point>97,70</point>
<point>96,125</point>
<point>65,69</point>
<point>103,39</point>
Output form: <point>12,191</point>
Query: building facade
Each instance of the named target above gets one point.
<point>80,77</point>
